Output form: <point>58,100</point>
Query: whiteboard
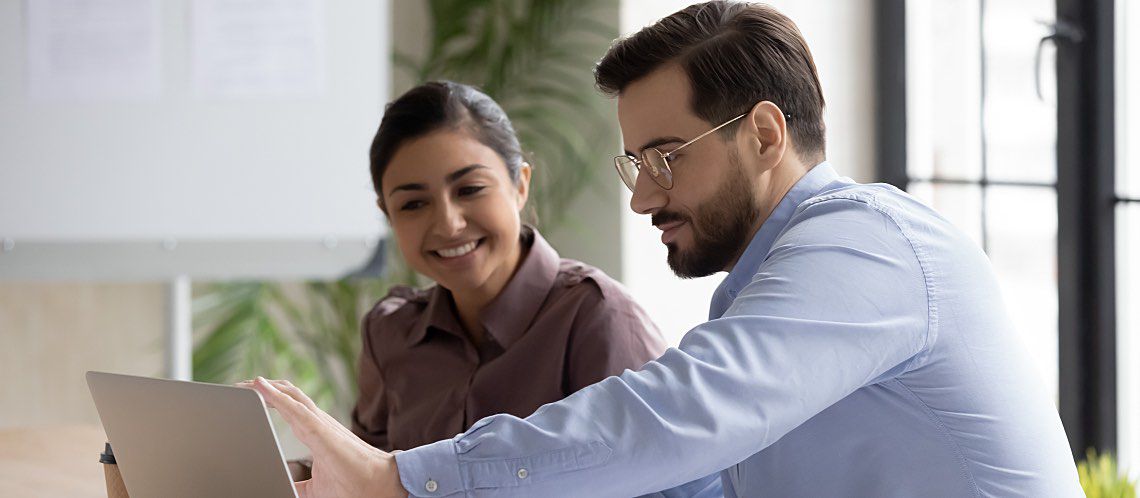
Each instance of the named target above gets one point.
<point>147,178</point>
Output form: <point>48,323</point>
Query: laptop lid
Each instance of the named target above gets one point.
<point>189,439</point>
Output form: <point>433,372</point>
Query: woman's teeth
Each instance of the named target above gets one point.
<point>456,252</point>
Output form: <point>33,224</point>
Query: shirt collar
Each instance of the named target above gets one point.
<point>439,314</point>
<point>508,316</point>
<point>510,313</point>
<point>806,187</point>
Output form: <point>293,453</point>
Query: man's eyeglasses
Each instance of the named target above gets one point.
<point>657,162</point>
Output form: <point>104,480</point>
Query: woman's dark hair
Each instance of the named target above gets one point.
<point>735,55</point>
<point>443,105</point>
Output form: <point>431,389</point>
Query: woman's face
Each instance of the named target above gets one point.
<point>455,211</point>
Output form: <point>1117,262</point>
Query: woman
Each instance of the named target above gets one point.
<point>509,326</point>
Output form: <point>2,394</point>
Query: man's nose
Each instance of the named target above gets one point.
<point>648,197</point>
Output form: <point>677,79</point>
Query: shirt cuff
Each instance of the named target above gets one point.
<point>431,470</point>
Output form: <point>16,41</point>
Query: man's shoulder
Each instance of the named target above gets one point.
<point>848,204</point>
<point>871,195</point>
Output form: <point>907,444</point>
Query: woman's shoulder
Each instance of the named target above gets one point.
<point>399,296</point>
<point>399,309</point>
<point>583,281</point>
<point>607,313</point>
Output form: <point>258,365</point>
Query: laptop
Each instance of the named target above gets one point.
<point>189,439</point>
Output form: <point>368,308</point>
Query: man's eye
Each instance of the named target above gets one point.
<point>470,190</point>
<point>411,205</point>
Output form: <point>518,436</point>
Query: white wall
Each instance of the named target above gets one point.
<point>840,35</point>
<point>187,166</point>
<point>170,162</point>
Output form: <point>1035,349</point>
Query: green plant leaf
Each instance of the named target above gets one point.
<point>1100,477</point>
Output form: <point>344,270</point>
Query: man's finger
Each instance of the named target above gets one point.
<point>302,488</point>
<point>295,393</point>
<point>311,425</point>
<point>296,415</point>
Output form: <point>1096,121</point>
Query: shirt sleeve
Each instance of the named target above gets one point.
<point>370,415</point>
<point>840,303</point>
<point>612,333</point>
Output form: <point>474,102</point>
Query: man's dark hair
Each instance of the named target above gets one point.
<point>735,54</point>
<point>440,105</point>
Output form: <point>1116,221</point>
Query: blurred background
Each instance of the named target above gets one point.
<point>184,187</point>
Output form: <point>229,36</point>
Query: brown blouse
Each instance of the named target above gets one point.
<point>558,325</point>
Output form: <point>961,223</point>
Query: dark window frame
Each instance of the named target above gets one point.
<point>1086,173</point>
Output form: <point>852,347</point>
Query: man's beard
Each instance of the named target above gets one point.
<point>721,230</point>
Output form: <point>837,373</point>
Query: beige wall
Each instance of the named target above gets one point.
<point>52,333</point>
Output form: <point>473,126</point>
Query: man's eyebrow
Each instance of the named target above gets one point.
<point>656,142</point>
<point>450,178</point>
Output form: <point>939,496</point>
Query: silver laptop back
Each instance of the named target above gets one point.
<point>186,439</point>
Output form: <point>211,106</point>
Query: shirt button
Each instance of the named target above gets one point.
<point>522,473</point>
<point>431,486</point>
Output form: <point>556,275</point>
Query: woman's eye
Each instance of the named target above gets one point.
<point>470,190</point>
<point>411,205</point>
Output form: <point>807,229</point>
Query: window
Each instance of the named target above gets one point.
<point>1015,119</point>
<point>981,147</point>
<point>1128,233</point>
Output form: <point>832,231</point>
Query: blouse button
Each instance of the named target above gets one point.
<point>431,486</point>
<point>522,473</point>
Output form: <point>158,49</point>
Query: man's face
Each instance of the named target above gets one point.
<point>708,216</point>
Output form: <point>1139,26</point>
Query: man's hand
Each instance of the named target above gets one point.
<point>343,465</point>
<point>300,470</point>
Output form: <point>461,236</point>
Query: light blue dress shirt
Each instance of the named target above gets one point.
<point>859,347</point>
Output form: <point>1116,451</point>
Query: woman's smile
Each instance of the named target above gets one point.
<point>456,251</point>
<point>455,256</point>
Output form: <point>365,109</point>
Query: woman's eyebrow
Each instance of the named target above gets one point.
<point>449,179</point>
<point>455,176</point>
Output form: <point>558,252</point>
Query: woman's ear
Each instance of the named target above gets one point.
<point>380,204</point>
<point>524,183</point>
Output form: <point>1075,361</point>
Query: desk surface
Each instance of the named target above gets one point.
<point>54,461</point>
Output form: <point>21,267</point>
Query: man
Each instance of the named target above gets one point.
<point>857,347</point>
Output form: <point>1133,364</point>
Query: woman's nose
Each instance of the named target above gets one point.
<point>449,219</point>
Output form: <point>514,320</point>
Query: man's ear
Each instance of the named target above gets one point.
<point>523,187</point>
<point>764,135</point>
